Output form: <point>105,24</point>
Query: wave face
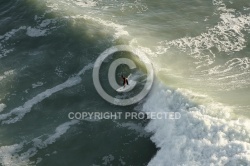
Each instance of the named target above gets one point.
<point>200,54</point>
<point>198,138</point>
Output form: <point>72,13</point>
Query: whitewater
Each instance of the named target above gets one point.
<point>202,74</point>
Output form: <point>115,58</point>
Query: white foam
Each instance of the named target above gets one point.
<point>121,161</point>
<point>35,85</point>
<point>241,65</point>
<point>40,144</point>
<point>233,74</point>
<point>85,3</point>
<point>119,29</point>
<point>47,22</point>
<point>198,138</point>
<point>226,36</point>
<point>68,6</point>
<point>60,130</point>
<point>53,6</point>
<point>2,77</point>
<point>9,154</point>
<point>88,67</point>
<point>5,52</point>
<point>6,74</point>
<point>59,71</point>
<point>20,111</point>
<point>135,127</point>
<point>11,33</point>
<point>42,29</point>
<point>35,32</point>
<point>2,106</point>
<point>9,72</point>
<point>108,159</point>
<point>4,38</point>
<point>59,5</point>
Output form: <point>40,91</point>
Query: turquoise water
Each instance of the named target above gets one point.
<point>200,54</point>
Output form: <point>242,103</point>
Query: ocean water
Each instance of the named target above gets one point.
<point>200,52</point>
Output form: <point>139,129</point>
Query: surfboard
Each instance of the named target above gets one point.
<point>131,85</point>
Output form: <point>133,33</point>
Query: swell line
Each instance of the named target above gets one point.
<point>19,112</point>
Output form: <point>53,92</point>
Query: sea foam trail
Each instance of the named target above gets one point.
<point>20,112</point>
<point>43,28</point>
<point>119,29</point>
<point>2,106</point>
<point>197,138</point>
<point>4,38</point>
<point>9,154</point>
<point>226,36</point>
<point>6,74</point>
<point>77,6</point>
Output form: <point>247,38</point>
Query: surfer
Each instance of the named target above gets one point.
<point>125,80</point>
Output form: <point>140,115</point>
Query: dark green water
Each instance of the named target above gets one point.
<point>200,54</point>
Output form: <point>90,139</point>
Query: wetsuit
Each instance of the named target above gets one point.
<point>125,80</point>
